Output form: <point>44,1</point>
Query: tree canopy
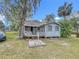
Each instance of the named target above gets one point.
<point>19,10</point>
<point>1,25</point>
<point>65,10</point>
<point>49,18</point>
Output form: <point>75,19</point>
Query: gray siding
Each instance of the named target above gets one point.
<point>52,33</point>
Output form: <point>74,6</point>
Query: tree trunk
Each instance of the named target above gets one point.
<point>64,17</point>
<point>24,9</point>
<point>21,29</point>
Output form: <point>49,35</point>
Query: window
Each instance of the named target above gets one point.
<point>27,28</point>
<point>49,28</point>
<point>56,28</point>
<point>42,29</point>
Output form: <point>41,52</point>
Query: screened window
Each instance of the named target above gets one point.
<point>56,28</point>
<point>27,28</point>
<point>49,28</point>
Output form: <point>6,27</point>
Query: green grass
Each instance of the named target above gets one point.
<point>11,35</point>
<point>18,49</point>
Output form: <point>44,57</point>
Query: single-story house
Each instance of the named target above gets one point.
<point>75,28</point>
<point>33,27</point>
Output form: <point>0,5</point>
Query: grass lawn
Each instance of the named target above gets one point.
<point>54,49</point>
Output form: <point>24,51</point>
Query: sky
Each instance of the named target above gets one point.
<point>4,20</point>
<point>51,6</point>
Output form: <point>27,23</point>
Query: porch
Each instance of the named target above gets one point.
<point>34,31</point>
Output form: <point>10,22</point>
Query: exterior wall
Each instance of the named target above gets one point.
<point>52,33</point>
<point>74,29</point>
<point>43,31</point>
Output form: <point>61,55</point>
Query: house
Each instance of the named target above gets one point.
<point>33,27</point>
<point>75,15</point>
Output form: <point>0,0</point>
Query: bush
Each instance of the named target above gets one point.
<point>66,28</point>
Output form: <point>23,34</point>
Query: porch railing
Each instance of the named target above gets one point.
<point>29,33</point>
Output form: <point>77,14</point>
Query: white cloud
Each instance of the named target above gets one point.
<point>40,20</point>
<point>57,18</point>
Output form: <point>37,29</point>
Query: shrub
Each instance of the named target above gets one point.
<point>66,28</point>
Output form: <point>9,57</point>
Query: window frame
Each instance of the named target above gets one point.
<point>56,28</point>
<point>49,28</point>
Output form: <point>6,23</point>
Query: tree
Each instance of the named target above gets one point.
<point>65,10</point>
<point>19,10</point>
<point>14,26</point>
<point>77,12</point>
<point>49,18</point>
<point>1,26</point>
<point>66,28</point>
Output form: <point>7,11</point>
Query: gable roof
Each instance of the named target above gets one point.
<point>35,23</point>
<point>51,23</point>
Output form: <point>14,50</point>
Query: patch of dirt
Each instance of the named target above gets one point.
<point>5,46</point>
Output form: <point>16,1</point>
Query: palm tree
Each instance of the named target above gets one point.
<point>65,10</point>
<point>19,10</point>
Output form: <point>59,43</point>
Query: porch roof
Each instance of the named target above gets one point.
<point>33,23</point>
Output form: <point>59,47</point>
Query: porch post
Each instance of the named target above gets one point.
<point>38,35</point>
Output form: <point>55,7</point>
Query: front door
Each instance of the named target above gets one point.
<point>34,30</point>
